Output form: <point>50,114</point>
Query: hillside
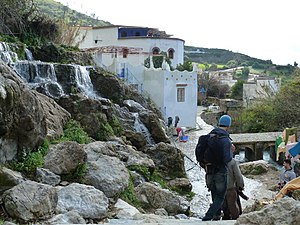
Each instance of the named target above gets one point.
<point>59,11</point>
<point>220,56</point>
<point>228,59</point>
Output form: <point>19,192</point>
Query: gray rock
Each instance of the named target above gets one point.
<point>168,158</point>
<point>45,176</point>
<point>156,197</point>
<point>63,158</point>
<point>88,201</point>
<point>27,117</point>
<point>30,201</point>
<point>96,149</point>
<point>125,210</point>
<point>133,157</point>
<point>283,211</point>
<point>107,174</point>
<point>71,217</point>
<point>133,106</point>
<point>9,179</point>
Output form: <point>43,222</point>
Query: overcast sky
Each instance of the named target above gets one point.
<point>259,28</point>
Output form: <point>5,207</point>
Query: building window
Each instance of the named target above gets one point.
<point>123,34</point>
<point>125,52</point>
<point>171,53</point>
<point>155,51</point>
<point>181,94</point>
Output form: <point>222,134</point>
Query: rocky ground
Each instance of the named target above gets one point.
<point>268,179</point>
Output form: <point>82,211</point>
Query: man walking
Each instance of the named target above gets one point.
<point>216,172</point>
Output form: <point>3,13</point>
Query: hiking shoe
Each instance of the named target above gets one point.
<point>206,219</point>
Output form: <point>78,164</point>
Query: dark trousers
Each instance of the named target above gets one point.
<point>217,184</point>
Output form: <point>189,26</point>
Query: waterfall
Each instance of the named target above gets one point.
<point>6,54</point>
<point>28,54</point>
<point>40,76</point>
<point>53,80</point>
<point>140,127</point>
<point>83,81</point>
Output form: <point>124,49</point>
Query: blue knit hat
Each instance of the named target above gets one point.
<point>225,121</point>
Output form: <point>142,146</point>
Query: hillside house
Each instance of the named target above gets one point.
<point>124,49</point>
<point>224,76</point>
<point>258,88</point>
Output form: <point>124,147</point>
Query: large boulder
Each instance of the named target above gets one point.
<point>9,179</point>
<point>107,174</point>
<point>283,211</point>
<point>154,125</point>
<point>88,201</point>
<point>255,167</point>
<point>90,113</point>
<point>168,159</point>
<point>155,198</point>
<point>26,116</point>
<point>65,157</point>
<point>30,201</point>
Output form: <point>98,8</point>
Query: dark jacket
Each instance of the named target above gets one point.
<point>222,149</point>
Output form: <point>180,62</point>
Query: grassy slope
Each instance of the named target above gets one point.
<point>59,11</point>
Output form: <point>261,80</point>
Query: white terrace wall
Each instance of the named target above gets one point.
<point>162,86</point>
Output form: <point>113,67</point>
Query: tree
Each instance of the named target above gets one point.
<point>20,18</point>
<point>187,65</point>
<point>237,90</point>
<point>212,85</point>
<point>14,14</point>
<point>232,64</point>
<point>295,64</point>
<point>245,71</point>
<point>158,60</point>
<point>274,113</point>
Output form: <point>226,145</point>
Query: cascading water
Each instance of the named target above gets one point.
<point>6,54</point>
<point>84,81</point>
<point>140,127</point>
<point>42,76</point>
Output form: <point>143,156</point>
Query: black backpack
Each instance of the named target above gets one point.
<point>207,149</point>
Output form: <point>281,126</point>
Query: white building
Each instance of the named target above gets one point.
<point>259,88</point>
<point>225,76</point>
<point>124,49</point>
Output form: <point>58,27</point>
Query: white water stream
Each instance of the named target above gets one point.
<point>200,203</point>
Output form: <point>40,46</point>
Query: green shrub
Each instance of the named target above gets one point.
<point>143,170</point>
<point>74,132</point>
<point>105,132</point>
<point>30,160</point>
<point>129,196</point>
<point>77,175</point>
<point>116,125</point>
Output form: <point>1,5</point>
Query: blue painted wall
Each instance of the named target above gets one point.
<point>133,32</point>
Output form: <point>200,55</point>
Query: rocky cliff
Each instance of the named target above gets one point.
<point>121,161</point>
